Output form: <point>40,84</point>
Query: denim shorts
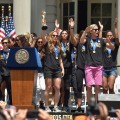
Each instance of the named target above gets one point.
<point>52,73</point>
<point>110,71</point>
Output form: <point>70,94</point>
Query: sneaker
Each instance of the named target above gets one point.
<point>47,109</point>
<point>56,109</point>
<point>64,109</point>
<point>79,110</point>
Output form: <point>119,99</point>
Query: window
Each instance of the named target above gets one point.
<point>68,11</point>
<point>103,11</point>
<point>6,12</point>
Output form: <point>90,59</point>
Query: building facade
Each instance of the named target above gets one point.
<point>27,14</point>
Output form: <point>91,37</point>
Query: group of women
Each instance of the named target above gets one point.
<point>67,59</point>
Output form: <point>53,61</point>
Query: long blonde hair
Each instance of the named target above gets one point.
<point>51,43</point>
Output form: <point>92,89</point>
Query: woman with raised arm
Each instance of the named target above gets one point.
<point>109,61</point>
<point>93,62</point>
<point>67,49</point>
<point>80,63</point>
<point>53,69</point>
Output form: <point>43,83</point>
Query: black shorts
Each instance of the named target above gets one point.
<point>52,73</point>
<point>4,78</point>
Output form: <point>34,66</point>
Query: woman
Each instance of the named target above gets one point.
<point>39,77</point>
<point>93,62</point>
<point>4,72</point>
<point>22,41</point>
<point>109,62</point>
<point>80,63</point>
<point>53,69</point>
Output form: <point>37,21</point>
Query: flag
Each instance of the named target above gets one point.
<point>11,27</point>
<point>2,28</point>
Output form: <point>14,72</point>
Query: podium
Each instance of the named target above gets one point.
<point>22,63</point>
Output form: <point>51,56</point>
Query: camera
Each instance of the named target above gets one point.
<point>32,114</point>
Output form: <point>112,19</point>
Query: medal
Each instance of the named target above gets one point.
<point>64,54</point>
<point>109,52</point>
<point>74,55</point>
<point>56,51</point>
<point>109,56</point>
<point>94,45</point>
<point>56,57</point>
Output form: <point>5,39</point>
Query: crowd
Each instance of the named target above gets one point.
<point>67,59</point>
<point>8,112</point>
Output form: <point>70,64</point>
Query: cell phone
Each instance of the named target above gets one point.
<point>112,114</point>
<point>32,114</point>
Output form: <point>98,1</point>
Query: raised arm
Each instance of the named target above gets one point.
<point>116,31</point>
<point>109,44</point>
<point>83,36</point>
<point>101,29</point>
<point>74,40</point>
<point>57,27</point>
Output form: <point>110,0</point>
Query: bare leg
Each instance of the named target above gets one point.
<point>111,81</point>
<point>89,93</point>
<point>97,91</point>
<point>79,101</point>
<point>48,83</point>
<point>105,85</point>
<point>57,83</point>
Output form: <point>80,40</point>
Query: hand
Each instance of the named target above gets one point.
<point>2,104</point>
<point>63,72</point>
<point>115,22</point>
<point>107,40</point>
<point>101,26</point>
<point>103,111</point>
<point>71,23</point>
<point>88,29</point>
<point>43,115</point>
<point>21,114</point>
<point>118,113</point>
<point>57,25</point>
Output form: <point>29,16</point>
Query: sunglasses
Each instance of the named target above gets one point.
<point>109,35</point>
<point>55,35</point>
<point>95,29</point>
<point>39,42</point>
<point>4,42</point>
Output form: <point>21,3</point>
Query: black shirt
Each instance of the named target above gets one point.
<point>3,62</point>
<point>50,60</point>
<point>80,60</point>
<point>94,59</point>
<point>110,60</point>
<point>66,54</point>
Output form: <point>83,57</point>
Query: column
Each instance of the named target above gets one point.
<point>118,15</point>
<point>36,7</point>
<point>22,16</point>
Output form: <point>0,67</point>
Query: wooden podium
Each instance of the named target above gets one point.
<point>22,70</point>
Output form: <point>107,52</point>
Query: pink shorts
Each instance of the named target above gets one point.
<point>93,75</point>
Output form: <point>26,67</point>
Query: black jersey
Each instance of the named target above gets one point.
<point>110,56</point>
<point>66,54</point>
<point>94,56</point>
<point>3,62</point>
<point>80,60</point>
<point>50,60</point>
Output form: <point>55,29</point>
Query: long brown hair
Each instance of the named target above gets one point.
<point>42,49</point>
<point>51,43</point>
